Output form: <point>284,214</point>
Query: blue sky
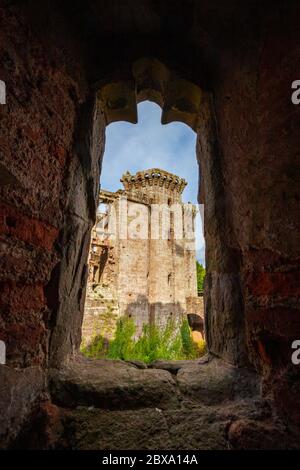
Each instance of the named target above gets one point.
<point>149,144</point>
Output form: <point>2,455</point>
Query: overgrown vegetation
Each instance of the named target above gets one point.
<point>169,342</point>
<point>200,277</point>
<point>96,349</point>
<point>187,344</point>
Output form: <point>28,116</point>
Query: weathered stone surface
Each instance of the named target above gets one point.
<point>145,428</point>
<point>20,390</point>
<point>37,128</point>
<point>223,303</point>
<point>172,366</point>
<point>111,385</point>
<point>138,364</point>
<point>44,429</point>
<point>253,435</point>
<point>258,136</point>
<point>112,405</point>
<point>199,427</point>
<point>150,428</point>
<point>66,289</point>
<point>216,382</point>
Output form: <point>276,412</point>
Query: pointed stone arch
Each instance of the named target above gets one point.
<point>151,80</point>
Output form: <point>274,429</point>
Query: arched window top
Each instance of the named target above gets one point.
<point>151,80</point>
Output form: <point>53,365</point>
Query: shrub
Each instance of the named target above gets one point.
<point>201,348</point>
<point>171,342</point>
<point>121,346</point>
<point>158,343</point>
<point>200,277</point>
<point>97,349</point>
<point>189,348</point>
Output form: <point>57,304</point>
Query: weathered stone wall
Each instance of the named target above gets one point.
<point>133,273</point>
<point>262,176</point>
<point>37,127</point>
<point>170,255</point>
<point>101,312</point>
<point>250,166</point>
<point>46,205</point>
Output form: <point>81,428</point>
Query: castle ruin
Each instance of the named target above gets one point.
<point>142,260</point>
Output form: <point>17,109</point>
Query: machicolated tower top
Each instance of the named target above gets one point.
<point>155,183</point>
<point>148,274</point>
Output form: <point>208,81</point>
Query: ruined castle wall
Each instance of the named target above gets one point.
<point>167,280</point>
<point>151,270</point>
<point>162,282</point>
<point>101,308</point>
<point>190,271</point>
<point>133,270</point>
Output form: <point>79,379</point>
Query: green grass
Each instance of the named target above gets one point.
<point>171,342</point>
<point>96,349</point>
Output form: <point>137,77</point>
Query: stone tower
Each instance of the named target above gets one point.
<point>142,258</point>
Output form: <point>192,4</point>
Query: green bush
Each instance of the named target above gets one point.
<point>123,344</point>
<point>97,349</point>
<point>157,343</point>
<point>189,348</point>
<point>171,342</point>
<point>200,277</point>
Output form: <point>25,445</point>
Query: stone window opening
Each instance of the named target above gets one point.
<point>154,178</point>
<point>198,114</point>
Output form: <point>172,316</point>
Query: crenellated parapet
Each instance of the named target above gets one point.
<point>153,177</point>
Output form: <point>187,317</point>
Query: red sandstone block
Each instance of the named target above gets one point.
<point>25,337</point>
<point>16,224</point>
<point>60,153</point>
<point>271,350</point>
<point>21,298</point>
<point>283,284</point>
<point>265,258</point>
<point>263,353</point>
<point>32,133</point>
<point>281,321</point>
<point>286,392</point>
